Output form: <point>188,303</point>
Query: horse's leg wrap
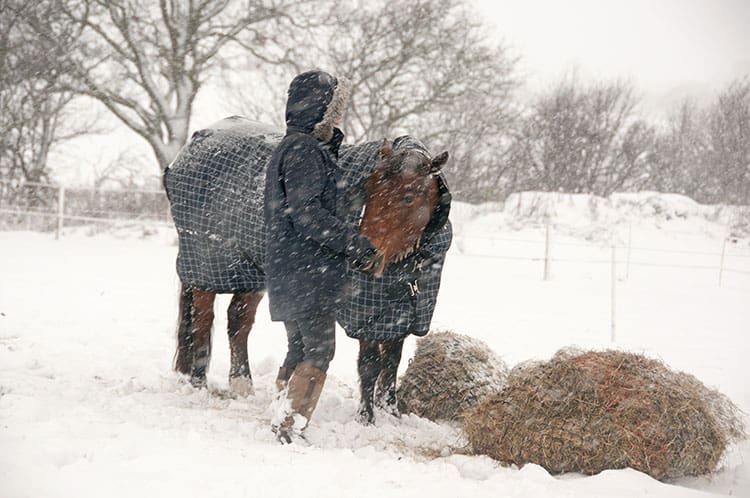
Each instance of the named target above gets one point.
<point>368,366</point>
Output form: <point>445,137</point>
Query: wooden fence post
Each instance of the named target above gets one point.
<point>613,293</point>
<point>168,210</point>
<point>721,262</point>
<point>630,245</point>
<point>546,252</point>
<point>60,211</point>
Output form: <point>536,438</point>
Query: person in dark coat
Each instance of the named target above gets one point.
<point>307,245</point>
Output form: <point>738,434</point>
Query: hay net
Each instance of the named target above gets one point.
<point>590,411</point>
<point>449,373</point>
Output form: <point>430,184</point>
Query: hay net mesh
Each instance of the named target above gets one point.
<point>590,411</point>
<point>449,373</point>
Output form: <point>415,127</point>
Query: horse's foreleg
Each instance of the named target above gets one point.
<point>390,356</point>
<point>202,316</point>
<point>183,358</point>
<point>368,366</point>
<point>240,319</point>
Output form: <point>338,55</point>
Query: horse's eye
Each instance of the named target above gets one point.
<point>408,198</point>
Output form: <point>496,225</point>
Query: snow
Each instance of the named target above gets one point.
<point>89,405</point>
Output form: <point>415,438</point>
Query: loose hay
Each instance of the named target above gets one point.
<point>449,374</point>
<point>590,411</point>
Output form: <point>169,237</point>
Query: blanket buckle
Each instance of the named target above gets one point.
<point>413,287</point>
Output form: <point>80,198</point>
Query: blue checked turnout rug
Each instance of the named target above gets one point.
<point>215,188</point>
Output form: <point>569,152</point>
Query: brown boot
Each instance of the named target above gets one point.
<point>305,387</point>
<point>282,379</point>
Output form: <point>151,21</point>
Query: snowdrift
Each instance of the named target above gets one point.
<point>598,218</point>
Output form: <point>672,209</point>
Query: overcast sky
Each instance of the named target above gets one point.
<point>667,48</point>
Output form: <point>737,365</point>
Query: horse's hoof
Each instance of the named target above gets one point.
<point>365,418</point>
<point>282,436</point>
<point>390,408</point>
<point>241,386</point>
<point>392,411</point>
<point>198,382</point>
<point>389,405</point>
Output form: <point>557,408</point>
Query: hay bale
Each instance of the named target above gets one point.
<point>590,411</point>
<point>449,373</point>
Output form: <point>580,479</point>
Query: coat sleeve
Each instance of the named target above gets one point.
<point>304,178</point>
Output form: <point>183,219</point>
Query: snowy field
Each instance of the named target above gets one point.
<point>89,405</point>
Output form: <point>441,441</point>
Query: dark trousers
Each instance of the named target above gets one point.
<point>311,339</point>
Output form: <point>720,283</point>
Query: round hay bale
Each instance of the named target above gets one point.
<point>590,411</point>
<point>449,373</point>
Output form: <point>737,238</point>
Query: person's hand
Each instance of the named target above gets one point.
<point>361,253</point>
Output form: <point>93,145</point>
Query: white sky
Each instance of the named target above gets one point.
<point>667,48</point>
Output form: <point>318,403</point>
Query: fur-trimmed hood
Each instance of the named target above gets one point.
<point>316,101</point>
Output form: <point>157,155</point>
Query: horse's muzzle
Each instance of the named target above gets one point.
<point>376,266</point>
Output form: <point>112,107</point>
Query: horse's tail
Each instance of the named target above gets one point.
<point>183,358</point>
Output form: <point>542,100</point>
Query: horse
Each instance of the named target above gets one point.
<point>401,194</point>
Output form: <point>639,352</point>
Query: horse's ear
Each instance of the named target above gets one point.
<point>386,149</point>
<point>438,162</point>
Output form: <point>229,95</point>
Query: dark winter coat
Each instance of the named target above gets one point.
<point>307,244</point>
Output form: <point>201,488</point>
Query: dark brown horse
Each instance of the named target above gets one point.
<point>401,193</point>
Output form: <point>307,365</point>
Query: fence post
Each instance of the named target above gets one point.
<point>168,210</point>
<point>60,211</point>
<point>630,245</point>
<point>613,293</point>
<point>546,252</point>
<point>721,263</point>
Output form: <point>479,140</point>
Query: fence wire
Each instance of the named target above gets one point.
<point>44,207</point>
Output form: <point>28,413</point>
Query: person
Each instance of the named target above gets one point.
<point>308,247</point>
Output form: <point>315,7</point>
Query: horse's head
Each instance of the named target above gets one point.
<point>401,194</point>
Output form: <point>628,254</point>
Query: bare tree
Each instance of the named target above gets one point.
<point>407,59</point>
<point>146,61</point>
<point>679,161</point>
<point>418,67</point>
<point>583,139</point>
<point>425,68</point>
<point>33,110</point>
<point>476,131</point>
<point>728,154</point>
<point>705,152</point>
<point>123,172</point>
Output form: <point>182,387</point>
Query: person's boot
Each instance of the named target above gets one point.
<point>305,387</point>
<point>282,379</point>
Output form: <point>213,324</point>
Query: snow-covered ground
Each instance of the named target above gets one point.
<point>90,407</point>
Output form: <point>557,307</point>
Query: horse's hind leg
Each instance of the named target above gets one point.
<point>368,366</point>
<point>390,356</point>
<point>183,358</point>
<point>202,316</point>
<point>240,318</point>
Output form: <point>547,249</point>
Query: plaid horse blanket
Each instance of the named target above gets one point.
<point>215,189</point>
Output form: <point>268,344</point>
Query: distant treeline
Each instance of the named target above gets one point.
<point>422,67</point>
